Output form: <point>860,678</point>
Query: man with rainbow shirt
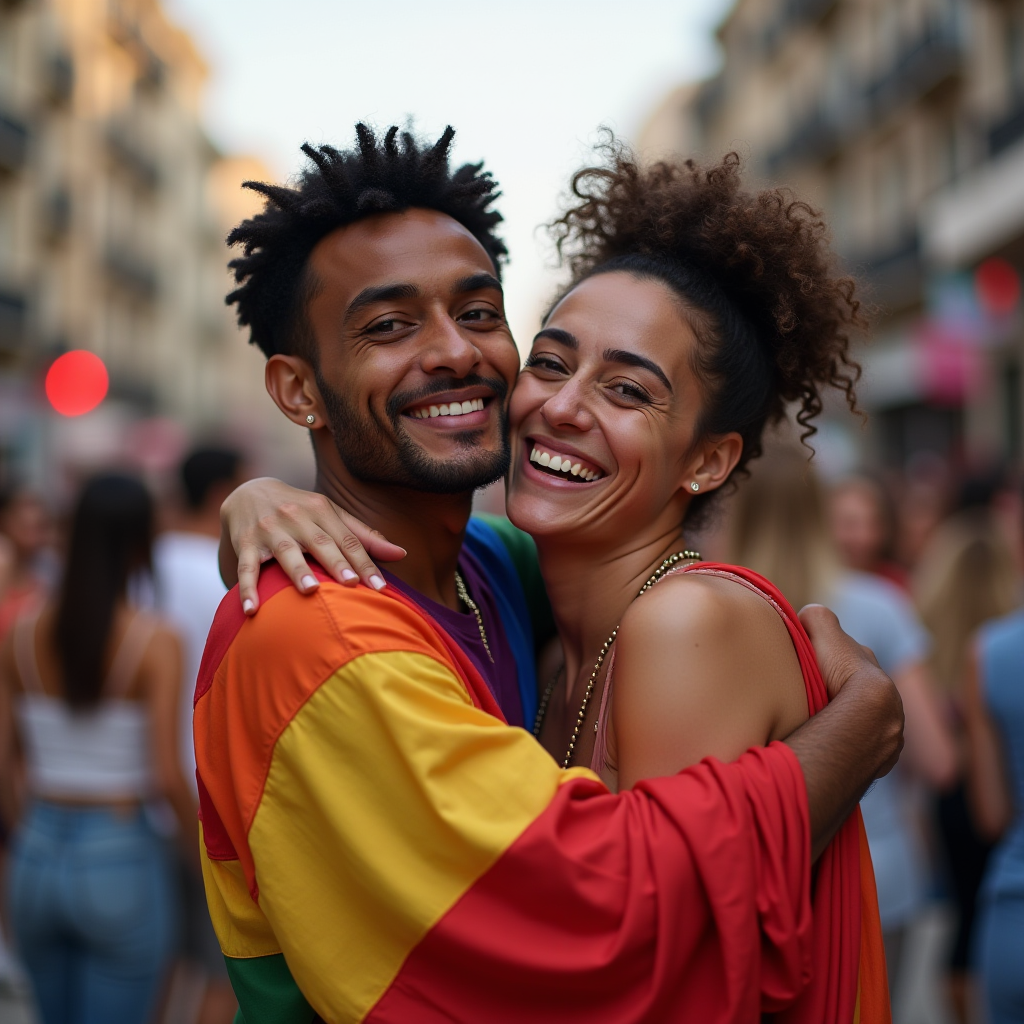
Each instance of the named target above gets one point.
<point>379,842</point>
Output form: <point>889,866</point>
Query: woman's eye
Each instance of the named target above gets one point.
<point>545,363</point>
<point>631,391</point>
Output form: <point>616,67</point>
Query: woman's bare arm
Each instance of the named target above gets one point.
<point>265,518</point>
<point>986,773</point>
<point>162,678</point>
<point>930,751</point>
<point>704,668</point>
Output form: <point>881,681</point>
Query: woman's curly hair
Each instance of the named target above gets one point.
<point>761,288</point>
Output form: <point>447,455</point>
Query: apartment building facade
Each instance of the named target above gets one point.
<point>114,205</point>
<point>905,123</point>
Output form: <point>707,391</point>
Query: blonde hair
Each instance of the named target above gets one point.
<point>965,578</point>
<point>779,527</point>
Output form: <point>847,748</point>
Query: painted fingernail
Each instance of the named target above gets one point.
<point>247,605</point>
<point>348,575</point>
<point>377,583</point>
<point>308,582</point>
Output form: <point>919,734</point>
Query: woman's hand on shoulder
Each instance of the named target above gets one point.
<point>705,668</point>
<point>265,518</point>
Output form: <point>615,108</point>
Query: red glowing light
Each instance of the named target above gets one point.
<point>998,286</point>
<point>76,383</point>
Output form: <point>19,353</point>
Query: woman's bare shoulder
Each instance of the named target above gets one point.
<point>691,604</point>
<point>706,667</point>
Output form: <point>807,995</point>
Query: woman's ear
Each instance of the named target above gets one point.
<point>716,459</point>
<point>291,383</point>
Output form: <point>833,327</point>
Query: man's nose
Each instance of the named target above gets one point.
<point>448,350</point>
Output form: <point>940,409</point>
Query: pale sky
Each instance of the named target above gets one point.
<point>525,83</point>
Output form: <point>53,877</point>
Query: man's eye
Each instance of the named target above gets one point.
<point>479,316</point>
<point>387,326</point>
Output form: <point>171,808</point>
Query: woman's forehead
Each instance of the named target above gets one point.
<point>620,311</point>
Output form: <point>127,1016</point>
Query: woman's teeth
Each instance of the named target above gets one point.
<point>454,409</point>
<point>562,464</point>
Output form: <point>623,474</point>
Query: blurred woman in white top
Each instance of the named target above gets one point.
<point>780,529</point>
<point>89,691</point>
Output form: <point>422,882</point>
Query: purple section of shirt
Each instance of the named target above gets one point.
<point>500,675</point>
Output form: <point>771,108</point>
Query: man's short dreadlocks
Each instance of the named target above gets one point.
<point>341,188</point>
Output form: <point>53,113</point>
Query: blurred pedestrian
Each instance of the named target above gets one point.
<point>189,590</point>
<point>89,688</point>
<point>923,502</point>
<point>994,719</point>
<point>25,532</point>
<point>780,529</point>
<point>863,524</point>
<point>966,577</point>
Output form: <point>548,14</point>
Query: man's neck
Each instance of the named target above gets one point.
<point>430,527</point>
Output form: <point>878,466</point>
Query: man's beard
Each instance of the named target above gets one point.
<point>375,455</point>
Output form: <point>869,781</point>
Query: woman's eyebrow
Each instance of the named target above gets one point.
<point>562,337</point>
<point>618,355</point>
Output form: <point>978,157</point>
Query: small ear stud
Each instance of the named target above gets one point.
<point>311,419</point>
<point>694,486</point>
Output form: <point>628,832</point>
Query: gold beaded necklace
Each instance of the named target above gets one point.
<point>460,589</point>
<point>679,556</point>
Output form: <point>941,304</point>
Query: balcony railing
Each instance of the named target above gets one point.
<point>1005,132</point>
<point>922,64</point>
<point>14,138</point>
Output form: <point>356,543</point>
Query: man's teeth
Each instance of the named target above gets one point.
<point>562,464</point>
<point>454,409</point>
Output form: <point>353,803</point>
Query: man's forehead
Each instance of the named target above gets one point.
<point>410,246</point>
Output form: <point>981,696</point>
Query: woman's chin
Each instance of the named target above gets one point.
<point>536,516</point>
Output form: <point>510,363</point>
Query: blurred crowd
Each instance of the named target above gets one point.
<point>104,613</point>
<point>925,568</point>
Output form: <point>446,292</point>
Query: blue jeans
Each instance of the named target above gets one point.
<point>93,913</point>
<point>1000,958</point>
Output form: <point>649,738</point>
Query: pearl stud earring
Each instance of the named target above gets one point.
<point>311,419</point>
<point>694,486</point>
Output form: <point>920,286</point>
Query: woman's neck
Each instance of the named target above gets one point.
<point>590,589</point>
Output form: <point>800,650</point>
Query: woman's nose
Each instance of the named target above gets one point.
<point>569,407</point>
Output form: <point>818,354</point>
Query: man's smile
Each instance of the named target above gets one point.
<point>462,409</point>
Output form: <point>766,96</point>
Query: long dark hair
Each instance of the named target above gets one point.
<point>111,537</point>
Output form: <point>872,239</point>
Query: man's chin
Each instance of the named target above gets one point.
<point>448,477</point>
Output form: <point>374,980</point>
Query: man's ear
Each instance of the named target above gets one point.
<point>291,383</point>
<point>714,461</point>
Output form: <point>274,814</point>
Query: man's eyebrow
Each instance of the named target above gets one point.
<point>476,282</point>
<point>379,293</point>
<point>562,337</point>
<point>618,355</point>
